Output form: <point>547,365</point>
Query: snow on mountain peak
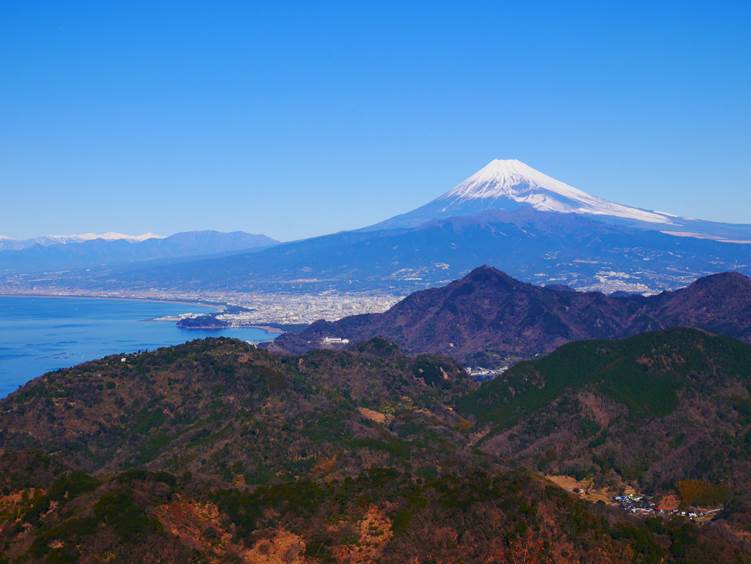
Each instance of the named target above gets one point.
<point>108,236</point>
<point>503,177</point>
<point>512,179</point>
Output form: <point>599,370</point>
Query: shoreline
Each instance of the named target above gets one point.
<point>283,310</point>
<point>271,330</point>
<point>183,301</point>
<point>214,306</point>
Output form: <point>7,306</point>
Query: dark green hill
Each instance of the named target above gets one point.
<point>650,409</point>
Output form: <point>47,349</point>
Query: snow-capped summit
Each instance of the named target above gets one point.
<point>7,243</point>
<point>514,180</point>
<point>108,236</point>
<point>509,185</point>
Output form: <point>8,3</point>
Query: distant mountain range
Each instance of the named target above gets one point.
<point>508,215</point>
<point>87,250</point>
<point>488,314</point>
<point>8,244</point>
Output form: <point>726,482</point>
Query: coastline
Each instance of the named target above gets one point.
<point>286,311</point>
<point>41,335</point>
<point>269,329</point>
<point>215,306</point>
<point>183,301</point>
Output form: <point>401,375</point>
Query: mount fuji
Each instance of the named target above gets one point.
<point>510,185</point>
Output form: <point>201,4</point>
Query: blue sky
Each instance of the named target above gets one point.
<point>301,118</point>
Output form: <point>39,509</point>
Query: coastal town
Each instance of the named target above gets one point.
<point>293,309</point>
<point>242,309</point>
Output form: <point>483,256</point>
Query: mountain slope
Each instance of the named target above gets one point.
<point>222,408</point>
<point>651,409</point>
<point>379,516</point>
<point>489,312</point>
<point>217,451</point>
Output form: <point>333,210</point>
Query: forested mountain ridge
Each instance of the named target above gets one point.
<point>218,450</point>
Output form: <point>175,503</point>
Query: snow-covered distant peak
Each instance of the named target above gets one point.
<point>108,236</point>
<point>512,179</point>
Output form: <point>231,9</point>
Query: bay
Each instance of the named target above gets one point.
<point>40,334</point>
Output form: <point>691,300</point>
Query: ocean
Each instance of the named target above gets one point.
<point>39,334</point>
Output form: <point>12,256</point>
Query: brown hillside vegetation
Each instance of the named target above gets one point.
<point>217,451</point>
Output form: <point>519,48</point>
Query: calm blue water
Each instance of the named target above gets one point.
<point>42,334</point>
